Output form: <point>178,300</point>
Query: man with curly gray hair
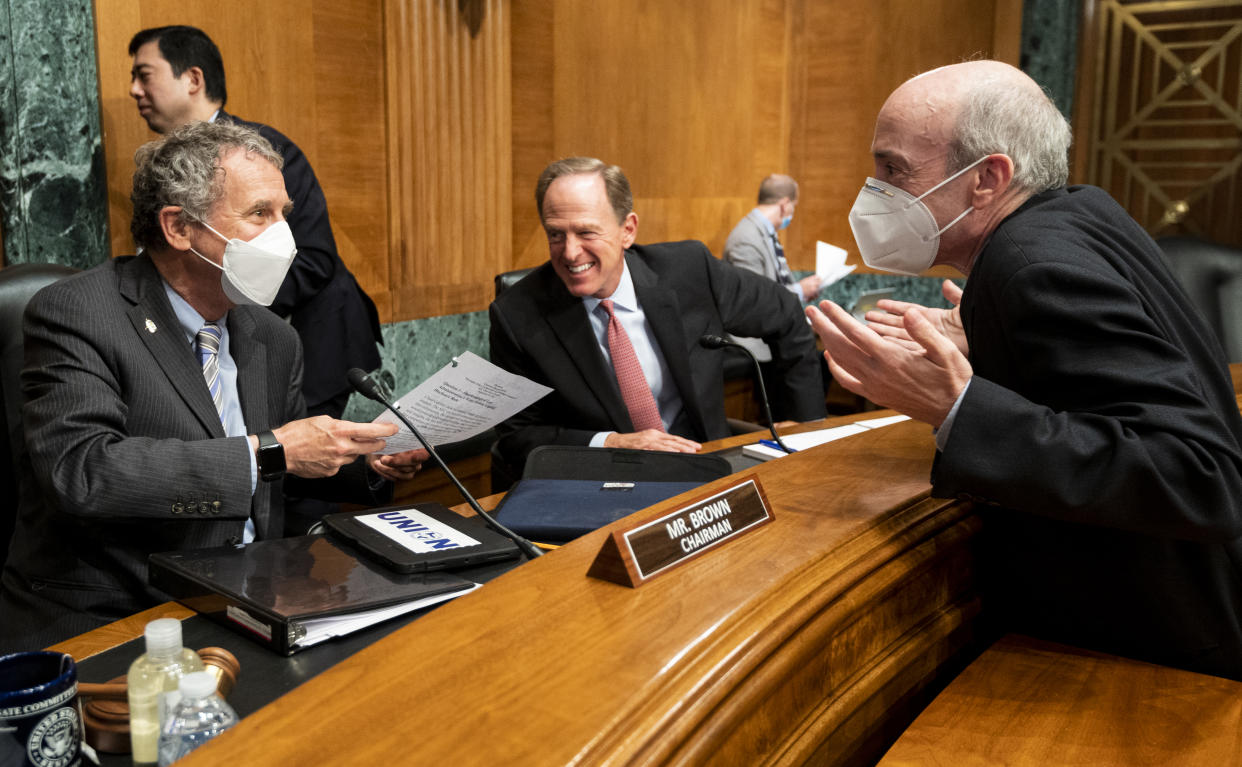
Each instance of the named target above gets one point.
<point>163,406</point>
<point>1074,388</point>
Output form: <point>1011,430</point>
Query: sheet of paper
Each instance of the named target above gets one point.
<point>810,439</point>
<point>830,263</point>
<point>876,423</point>
<point>320,629</point>
<point>464,398</point>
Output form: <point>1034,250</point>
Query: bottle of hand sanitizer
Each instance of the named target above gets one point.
<point>153,680</point>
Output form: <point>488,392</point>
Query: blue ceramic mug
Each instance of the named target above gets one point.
<point>39,721</point>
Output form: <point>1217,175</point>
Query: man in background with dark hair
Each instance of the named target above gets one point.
<point>177,78</point>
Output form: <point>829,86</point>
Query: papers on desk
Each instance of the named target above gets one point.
<point>321,629</point>
<point>810,439</point>
<point>465,397</point>
<point>830,264</point>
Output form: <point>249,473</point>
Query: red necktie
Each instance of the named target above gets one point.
<point>634,389</point>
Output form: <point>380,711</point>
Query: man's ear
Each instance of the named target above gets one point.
<point>197,82</point>
<point>629,229</point>
<point>176,229</point>
<point>995,175</point>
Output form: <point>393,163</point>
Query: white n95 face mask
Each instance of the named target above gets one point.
<point>253,270</point>
<point>894,230</point>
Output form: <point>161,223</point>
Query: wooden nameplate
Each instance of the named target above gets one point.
<point>634,556</point>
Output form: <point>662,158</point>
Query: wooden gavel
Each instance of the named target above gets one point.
<point>105,707</point>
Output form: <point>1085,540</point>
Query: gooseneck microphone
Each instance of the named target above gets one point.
<point>368,387</point>
<point>710,341</point>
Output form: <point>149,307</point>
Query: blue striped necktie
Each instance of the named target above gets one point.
<point>783,274</point>
<point>207,346</point>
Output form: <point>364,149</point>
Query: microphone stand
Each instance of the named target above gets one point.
<point>719,342</point>
<point>369,388</point>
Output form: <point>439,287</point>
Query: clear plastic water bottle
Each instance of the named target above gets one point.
<point>152,683</point>
<point>198,717</point>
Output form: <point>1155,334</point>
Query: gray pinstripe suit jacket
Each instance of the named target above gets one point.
<point>128,452</point>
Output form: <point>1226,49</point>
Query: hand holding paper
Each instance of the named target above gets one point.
<point>464,398</point>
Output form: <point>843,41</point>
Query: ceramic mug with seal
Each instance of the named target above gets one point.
<point>40,725</point>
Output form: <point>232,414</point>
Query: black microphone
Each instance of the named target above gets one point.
<point>368,387</point>
<point>710,341</point>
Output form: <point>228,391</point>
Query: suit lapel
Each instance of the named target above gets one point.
<point>156,325</point>
<point>663,314</point>
<point>566,315</point>
<point>250,355</point>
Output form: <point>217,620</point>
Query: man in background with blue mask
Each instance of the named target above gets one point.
<point>163,407</point>
<point>755,245</point>
<point>1073,386</point>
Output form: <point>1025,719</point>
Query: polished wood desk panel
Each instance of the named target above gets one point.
<point>810,640</point>
<point>1028,703</point>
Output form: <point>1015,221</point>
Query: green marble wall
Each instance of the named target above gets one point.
<point>53,195</point>
<point>1050,47</point>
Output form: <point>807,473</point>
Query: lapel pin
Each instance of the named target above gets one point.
<point>150,325</point>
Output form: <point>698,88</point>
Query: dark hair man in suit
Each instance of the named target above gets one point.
<point>177,77</point>
<point>614,327</point>
<point>163,408</point>
<point>1075,388</point>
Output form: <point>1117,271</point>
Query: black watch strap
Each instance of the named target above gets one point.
<point>271,457</point>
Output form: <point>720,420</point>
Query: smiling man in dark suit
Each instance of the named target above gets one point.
<point>163,406</point>
<point>613,328</point>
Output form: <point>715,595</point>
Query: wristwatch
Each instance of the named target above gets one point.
<point>271,457</point>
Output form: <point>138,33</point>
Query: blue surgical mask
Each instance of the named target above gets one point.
<point>785,222</point>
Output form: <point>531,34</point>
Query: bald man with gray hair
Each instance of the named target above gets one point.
<point>1076,393</point>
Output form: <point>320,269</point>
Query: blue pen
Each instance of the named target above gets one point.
<point>771,444</point>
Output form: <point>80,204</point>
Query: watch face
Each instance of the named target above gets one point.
<point>271,458</point>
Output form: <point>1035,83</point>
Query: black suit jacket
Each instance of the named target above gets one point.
<point>334,317</point>
<point>1102,418</point>
<point>126,455</point>
<point>540,331</point>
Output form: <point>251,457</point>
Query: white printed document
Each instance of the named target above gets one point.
<point>464,398</point>
<point>830,263</point>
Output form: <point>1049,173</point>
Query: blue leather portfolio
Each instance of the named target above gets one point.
<point>559,510</point>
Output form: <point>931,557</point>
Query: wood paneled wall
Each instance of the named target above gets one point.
<point>448,122</point>
<point>428,137</point>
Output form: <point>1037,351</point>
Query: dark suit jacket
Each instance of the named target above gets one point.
<point>128,451</point>
<point>541,331</point>
<point>335,319</point>
<point>1102,417</point>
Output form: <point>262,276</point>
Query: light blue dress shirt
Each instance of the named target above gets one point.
<point>646,348</point>
<point>234,424</point>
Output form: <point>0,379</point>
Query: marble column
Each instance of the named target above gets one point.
<point>53,194</point>
<point>1050,47</point>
